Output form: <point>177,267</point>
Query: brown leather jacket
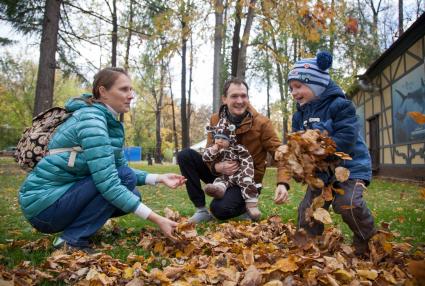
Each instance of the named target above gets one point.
<point>257,134</point>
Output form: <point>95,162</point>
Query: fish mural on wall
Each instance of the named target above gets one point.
<point>408,96</point>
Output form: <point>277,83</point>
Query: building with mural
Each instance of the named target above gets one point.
<point>390,103</point>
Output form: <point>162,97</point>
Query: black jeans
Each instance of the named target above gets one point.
<point>350,205</point>
<point>194,169</point>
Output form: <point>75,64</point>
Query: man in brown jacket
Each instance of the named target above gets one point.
<point>256,133</point>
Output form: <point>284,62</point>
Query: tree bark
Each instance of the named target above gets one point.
<point>176,141</point>
<point>241,68</point>
<point>218,57</point>
<point>236,38</point>
<point>114,33</point>
<point>189,102</point>
<point>158,145</point>
<point>183,107</point>
<point>400,17</point>
<point>47,61</point>
<point>130,26</point>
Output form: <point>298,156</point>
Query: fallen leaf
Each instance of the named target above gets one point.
<point>252,277</point>
<point>417,269</point>
<point>343,275</point>
<point>368,274</point>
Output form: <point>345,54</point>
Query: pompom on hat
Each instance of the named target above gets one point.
<point>313,72</point>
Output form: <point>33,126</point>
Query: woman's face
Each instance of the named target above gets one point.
<point>120,94</point>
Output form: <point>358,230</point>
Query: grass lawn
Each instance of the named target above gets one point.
<point>400,206</point>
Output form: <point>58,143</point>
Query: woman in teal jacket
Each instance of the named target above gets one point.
<point>77,195</point>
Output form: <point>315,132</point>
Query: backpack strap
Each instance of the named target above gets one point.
<point>72,156</point>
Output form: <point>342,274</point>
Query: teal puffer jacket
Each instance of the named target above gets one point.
<point>101,137</point>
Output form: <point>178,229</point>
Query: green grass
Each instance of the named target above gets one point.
<point>398,204</point>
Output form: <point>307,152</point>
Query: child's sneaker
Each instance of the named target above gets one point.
<point>253,211</point>
<point>215,190</point>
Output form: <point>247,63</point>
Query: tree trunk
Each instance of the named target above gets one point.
<point>218,57</point>
<point>241,69</point>
<point>183,107</point>
<point>268,95</point>
<point>176,141</point>
<point>332,29</point>
<point>158,145</point>
<point>236,38</point>
<point>189,102</point>
<point>400,17</point>
<point>47,62</point>
<point>130,27</point>
<point>114,33</point>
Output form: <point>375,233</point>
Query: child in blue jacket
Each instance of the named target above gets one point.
<point>321,104</point>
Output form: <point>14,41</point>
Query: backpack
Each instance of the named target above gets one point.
<point>32,146</point>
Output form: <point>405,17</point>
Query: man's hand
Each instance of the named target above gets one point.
<point>281,195</point>
<point>171,180</point>
<point>227,167</point>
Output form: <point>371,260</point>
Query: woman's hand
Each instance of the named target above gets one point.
<point>171,180</point>
<point>281,195</point>
<point>227,167</point>
<point>165,225</point>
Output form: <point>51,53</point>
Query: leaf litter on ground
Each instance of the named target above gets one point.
<point>269,252</point>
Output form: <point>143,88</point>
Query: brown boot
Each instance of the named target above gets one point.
<point>253,211</point>
<point>215,190</point>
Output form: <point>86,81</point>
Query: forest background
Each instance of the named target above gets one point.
<point>179,52</point>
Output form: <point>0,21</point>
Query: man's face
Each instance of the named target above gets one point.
<point>236,99</point>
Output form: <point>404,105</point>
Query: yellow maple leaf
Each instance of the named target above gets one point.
<point>128,273</point>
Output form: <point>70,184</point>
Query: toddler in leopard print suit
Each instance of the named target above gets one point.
<point>225,148</point>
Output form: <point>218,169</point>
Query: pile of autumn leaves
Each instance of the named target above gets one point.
<point>236,253</point>
<point>268,253</point>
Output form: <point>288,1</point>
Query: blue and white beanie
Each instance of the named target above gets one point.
<point>313,72</point>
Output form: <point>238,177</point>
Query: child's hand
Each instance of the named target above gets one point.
<point>215,147</point>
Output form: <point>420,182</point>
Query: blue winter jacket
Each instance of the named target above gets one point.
<point>101,136</point>
<point>333,112</point>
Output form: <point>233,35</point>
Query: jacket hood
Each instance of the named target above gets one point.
<point>332,91</point>
<point>77,103</point>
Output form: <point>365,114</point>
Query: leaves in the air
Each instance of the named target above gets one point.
<point>309,152</point>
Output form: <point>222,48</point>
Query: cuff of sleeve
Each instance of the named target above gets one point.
<point>151,179</point>
<point>285,184</point>
<point>143,211</point>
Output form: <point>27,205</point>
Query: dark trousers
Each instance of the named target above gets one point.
<point>194,169</point>
<point>82,210</point>
<point>349,205</point>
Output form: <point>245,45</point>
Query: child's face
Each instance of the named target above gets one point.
<point>222,143</point>
<point>301,92</point>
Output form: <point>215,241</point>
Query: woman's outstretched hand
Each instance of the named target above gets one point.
<point>166,225</point>
<point>171,180</point>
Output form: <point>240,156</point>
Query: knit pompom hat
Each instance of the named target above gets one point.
<point>313,72</point>
<point>223,130</point>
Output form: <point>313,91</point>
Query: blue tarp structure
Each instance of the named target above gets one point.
<point>133,153</point>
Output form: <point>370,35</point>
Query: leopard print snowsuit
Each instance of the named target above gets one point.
<point>244,177</point>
